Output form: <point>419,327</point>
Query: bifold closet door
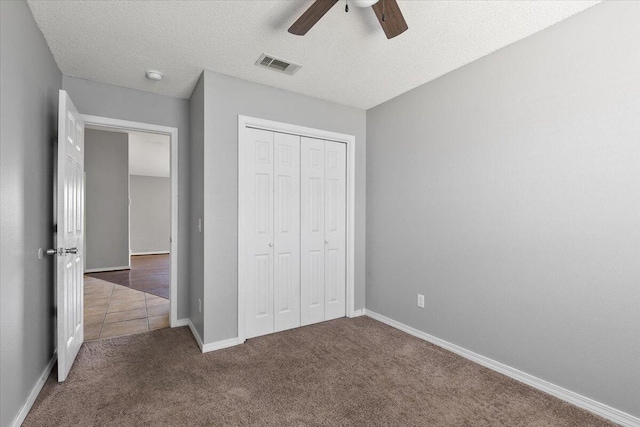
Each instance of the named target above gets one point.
<point>323,230</point>
<point>335,208</point>
<point>294,222</point>
<point>286,248</point>
<point>272,220</point>
<point>258,223</point>
<point>312,230</point>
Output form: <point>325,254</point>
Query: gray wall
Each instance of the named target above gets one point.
<point>196,197</point>
<point>106,164</point>
<point>150,213</point>
<point>127,104</point>
<point>508,193</point>
<point>226,98</point>
<point>29,83</point>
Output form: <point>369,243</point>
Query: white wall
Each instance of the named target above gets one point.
<point>106,164</point>
<point>149,154</point>
<point>150,190</point>
<point>508,193</point>
<point>224,99</point>
<point>150,214</point>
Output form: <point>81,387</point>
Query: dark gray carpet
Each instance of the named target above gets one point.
<point>343,372</point>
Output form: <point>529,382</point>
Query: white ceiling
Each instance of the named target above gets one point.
<point>149,154</point>
<point>346,58</point>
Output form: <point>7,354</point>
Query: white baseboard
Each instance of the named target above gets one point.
<point>19,419</point>
<point>357,313</point>
<point>150,253</point>
<point>195,334</point>
<point>180,322</point>
<point>219,345</point>
<point>576,399</point>
<point>101,270</point>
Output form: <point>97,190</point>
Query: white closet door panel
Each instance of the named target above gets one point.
<point>286,152</point>
<point>258,221</point>
<point>335,220</point>
<point>312,223</point>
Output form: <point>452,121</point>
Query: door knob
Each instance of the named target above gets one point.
<point>270,245</point>
<point>62,251</point>
<point>326,242</point>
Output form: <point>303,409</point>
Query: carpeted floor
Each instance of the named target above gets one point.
<point>343,372</point>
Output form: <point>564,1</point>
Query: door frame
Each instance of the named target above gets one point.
<point>245,122</point>
<point>172,132</point>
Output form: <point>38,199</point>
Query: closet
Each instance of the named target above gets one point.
<point>294,243</point>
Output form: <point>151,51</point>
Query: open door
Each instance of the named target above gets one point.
<point>70,234</point>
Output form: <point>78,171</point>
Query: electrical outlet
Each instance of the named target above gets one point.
<point>420,300</point>
<point>200,225</point>
<point>199,305</point>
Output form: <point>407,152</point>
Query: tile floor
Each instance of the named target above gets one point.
<point>112,310</point>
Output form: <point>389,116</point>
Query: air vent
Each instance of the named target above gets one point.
<point>277,64</point>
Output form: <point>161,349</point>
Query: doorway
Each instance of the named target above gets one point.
<point>131,268</point>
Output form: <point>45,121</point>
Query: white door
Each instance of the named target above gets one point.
<point>70,234</point>
<point>258,223</point>
<point>286,248</point>
<point>335,224</point>
<point>312,231</point>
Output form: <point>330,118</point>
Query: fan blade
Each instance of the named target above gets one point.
<point>394,23</point>
<point>311,16</point>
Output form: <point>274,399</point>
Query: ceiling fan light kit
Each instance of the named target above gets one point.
<point>363,3</point>
<point>387,11</point>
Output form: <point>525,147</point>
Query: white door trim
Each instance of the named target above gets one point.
<point>172,132</point>
<point>350,140</point>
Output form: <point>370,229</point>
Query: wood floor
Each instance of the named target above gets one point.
<point>149,274</point>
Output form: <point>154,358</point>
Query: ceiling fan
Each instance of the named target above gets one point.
<point>387,11</point>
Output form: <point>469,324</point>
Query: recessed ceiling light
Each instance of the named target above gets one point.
<point>154,75</point>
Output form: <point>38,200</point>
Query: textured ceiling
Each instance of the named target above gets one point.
<point>345,58</point>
